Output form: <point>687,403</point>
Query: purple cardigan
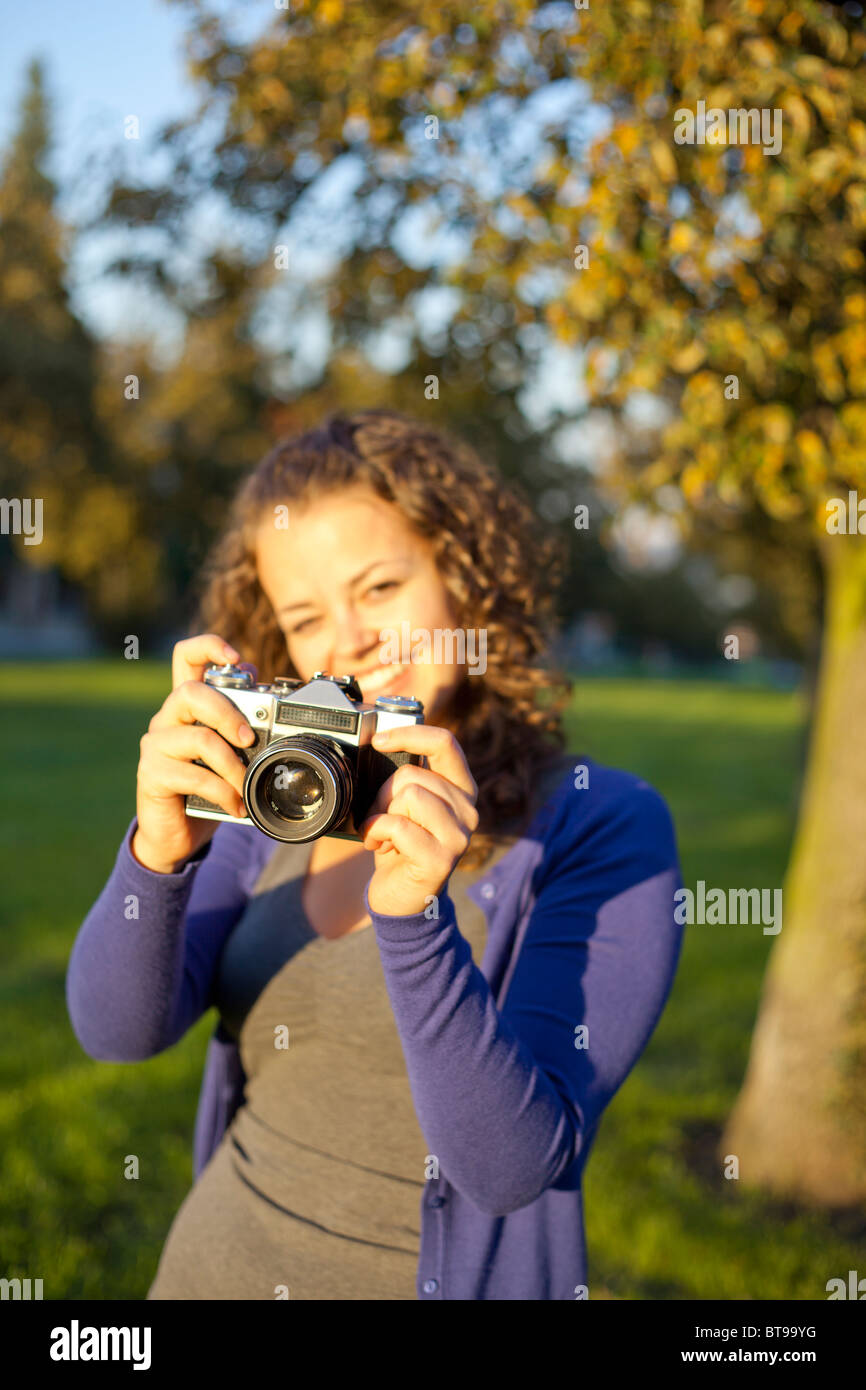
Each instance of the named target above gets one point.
<point>511,1063</point>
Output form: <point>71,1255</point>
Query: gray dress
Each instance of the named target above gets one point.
<point>315,1189</point>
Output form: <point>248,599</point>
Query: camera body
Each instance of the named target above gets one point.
<point>312,770</point>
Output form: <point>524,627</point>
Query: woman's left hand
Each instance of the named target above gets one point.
<point>421,821</point>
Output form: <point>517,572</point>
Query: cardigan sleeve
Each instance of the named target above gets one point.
<point>142,966</point>
<point>508,1099</point>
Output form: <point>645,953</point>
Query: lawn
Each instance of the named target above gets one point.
<point>662,1221</point>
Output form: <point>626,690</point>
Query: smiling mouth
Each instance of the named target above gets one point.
<point>382,680</point>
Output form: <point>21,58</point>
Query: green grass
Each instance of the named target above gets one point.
<point>662,1221</point>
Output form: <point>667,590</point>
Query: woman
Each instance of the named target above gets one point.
<point>418,1029</point>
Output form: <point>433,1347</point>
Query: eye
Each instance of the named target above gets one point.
<point>301,627</point>
<point>386,584</point>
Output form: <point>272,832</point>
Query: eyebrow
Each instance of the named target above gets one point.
<point>356,579</point>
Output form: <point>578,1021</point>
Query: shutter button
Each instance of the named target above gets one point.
<point>431,1285</point>
<point>488,890</point>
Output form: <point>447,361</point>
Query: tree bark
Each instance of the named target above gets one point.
<point>799,1124</point>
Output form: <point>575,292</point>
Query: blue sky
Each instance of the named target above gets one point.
<point>103,60</point>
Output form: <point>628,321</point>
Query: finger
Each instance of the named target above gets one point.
<point>189,742</point>
<point>441,749</point>
<point>190,657</point>
<point>464,807</point>
<point>194,701</point>
<point>418,846</point>
<point>165,778</point>
<point>423,807</point>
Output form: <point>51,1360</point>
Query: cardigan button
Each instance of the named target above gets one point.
<point>488,890</point>
<point>431,1285</point>
<point>437,1202</point>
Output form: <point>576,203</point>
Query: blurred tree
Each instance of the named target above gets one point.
<point>739,272</point>
<point>481,366</point>
<point>526,160</point>
<point>195,425</point>
<point>51,445</point>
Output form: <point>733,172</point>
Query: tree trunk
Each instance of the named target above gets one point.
<point>799,1124</point>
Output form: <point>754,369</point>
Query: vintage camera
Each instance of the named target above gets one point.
<point>312,770</point>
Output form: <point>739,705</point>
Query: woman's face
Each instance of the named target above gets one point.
<point>346,579</point>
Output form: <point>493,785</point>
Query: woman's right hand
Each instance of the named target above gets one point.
<point>167,771</point>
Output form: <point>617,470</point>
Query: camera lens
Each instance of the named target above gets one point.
<point>294,790</point>
<point>299,787</point>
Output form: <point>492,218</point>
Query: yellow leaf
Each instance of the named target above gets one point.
<point>681,237</point>
<point>627,138</point>
<point>663,160</point>
<point>761,52</point>
<point>857,136</point>
<point>777,426</point>
<point>692,482</point>
<point>689,357</point>
<point>798,113</point>
<point>274,92</point>
<point>813,457</point>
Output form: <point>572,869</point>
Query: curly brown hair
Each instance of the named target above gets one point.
<point>501,572</point>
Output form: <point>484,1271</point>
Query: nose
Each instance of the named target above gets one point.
<point>352,637</point>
